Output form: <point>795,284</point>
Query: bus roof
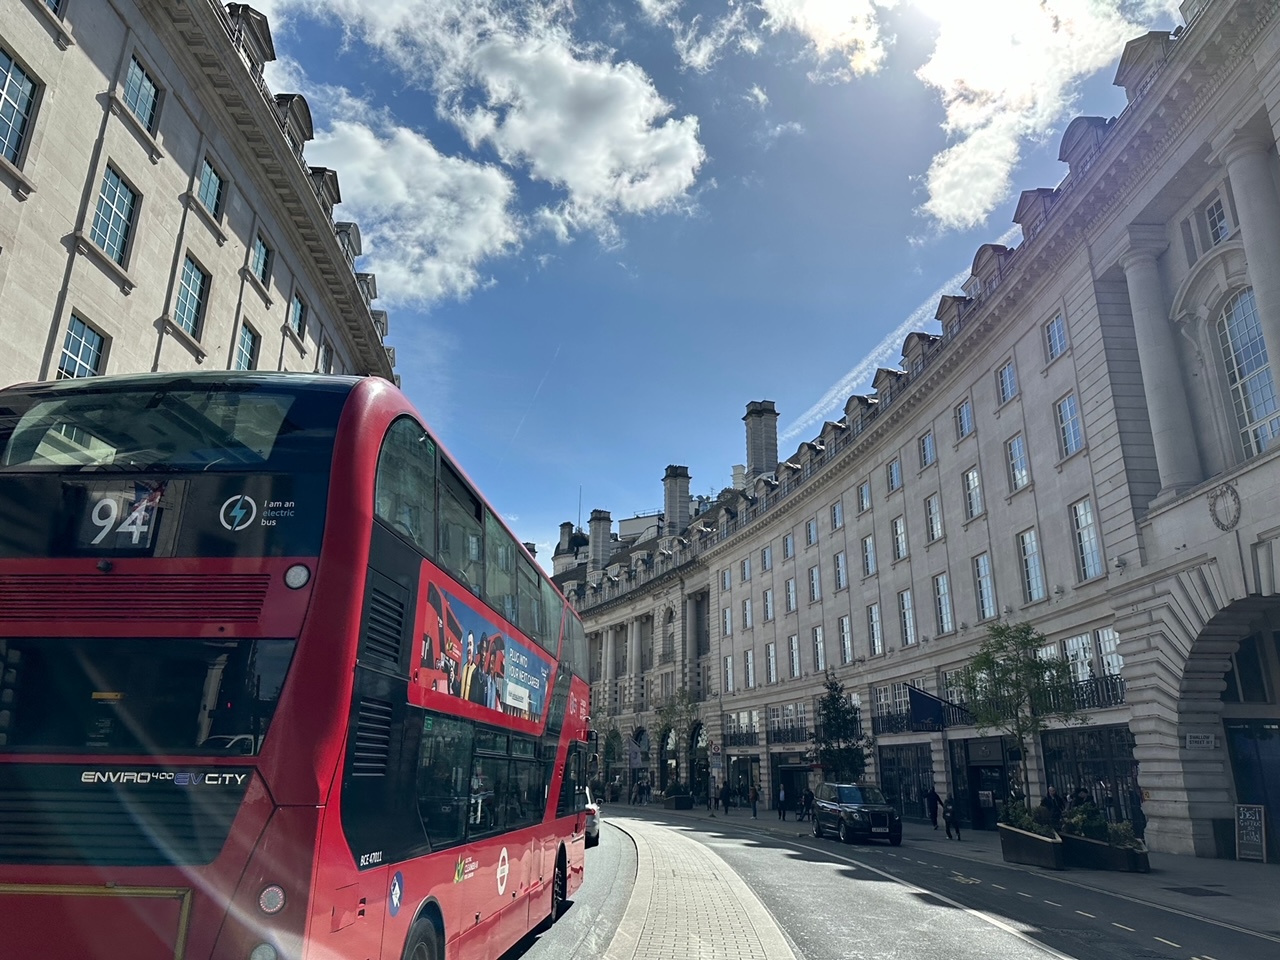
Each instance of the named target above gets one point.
<point>160,381</point>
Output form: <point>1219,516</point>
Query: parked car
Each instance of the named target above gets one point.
<point>593,820</point>
<point>855,811</point>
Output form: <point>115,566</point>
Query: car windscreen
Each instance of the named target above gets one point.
<point>139,696</point>
<point>860,795</point>
<point>169,425</point>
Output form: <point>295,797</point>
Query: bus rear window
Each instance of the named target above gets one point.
<point>140,697</point>
<point>172,424</point>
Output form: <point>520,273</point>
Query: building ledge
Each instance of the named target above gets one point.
<point>186,339</point>
<point>22,187</point>
<point>121,109</point>
<point>210,221</point>
<point>253,281</point>
<point>59,29</point>
<point>90,249</point>
<point>292,336</point>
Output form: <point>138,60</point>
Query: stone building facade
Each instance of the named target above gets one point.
<point>1089,444</point>
<point>157,211</point>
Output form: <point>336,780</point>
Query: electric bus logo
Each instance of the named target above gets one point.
<point>238,512</point>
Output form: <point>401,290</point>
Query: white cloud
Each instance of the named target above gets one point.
<point>849,29</point>
<point>511,76</point>
<point>699,51</point>
<point>756,96</point>
<point>658,11</point>
<point>886,352</point>
<point>779,130</point>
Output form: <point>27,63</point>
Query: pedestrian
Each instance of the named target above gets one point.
<point>754,797</point>
<point>1055,805</point>
<point>1081,799</point>
<point>782,802</point>
<point>724,796</point>
<point>806,804</point>
<point>949,818</point>
<point>933,801</point>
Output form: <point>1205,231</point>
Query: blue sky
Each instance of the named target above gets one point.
<point>600,229</point>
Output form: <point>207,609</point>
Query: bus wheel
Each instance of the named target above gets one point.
<point>559,888</point>
<point>423,943</point>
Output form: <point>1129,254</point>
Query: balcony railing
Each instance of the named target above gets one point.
<point>789,735</point>
<point>743,738</point>
<point>1094,694</point>
<point>897,722</point>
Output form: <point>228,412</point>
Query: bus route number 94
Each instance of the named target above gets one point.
<point>121,520</point>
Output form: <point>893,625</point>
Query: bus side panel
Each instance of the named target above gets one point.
<point>348,904</point>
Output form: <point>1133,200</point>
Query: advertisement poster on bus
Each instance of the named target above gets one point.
<point>468,653</point>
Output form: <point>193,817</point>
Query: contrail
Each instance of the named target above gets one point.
<point>534,398</point>
<point>885,350</point>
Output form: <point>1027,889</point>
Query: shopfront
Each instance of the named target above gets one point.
<point>981,770</point>
<point>1100,760</point>
<point>906,774</point>
<point>792,771</point>
<point>1254,746</point>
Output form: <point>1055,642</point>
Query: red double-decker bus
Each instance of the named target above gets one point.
<point>275,682</point>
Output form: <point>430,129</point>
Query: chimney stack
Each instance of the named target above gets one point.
<point>566,531</point>
<point>599,529</point>
<point>532,548</point>
<point>762,438</point>
<point>675,500</point>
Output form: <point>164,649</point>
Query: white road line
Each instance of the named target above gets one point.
<point>1027,895</point>
<point>1089,915</point>
<point>1052,904</point>
<point>997,886</point>
<point>1123,927</point>
<point>1169,942</point>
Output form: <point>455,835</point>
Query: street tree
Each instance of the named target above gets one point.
<point>677,715</point>
<point>1018,685</point>
<point>841,744</point>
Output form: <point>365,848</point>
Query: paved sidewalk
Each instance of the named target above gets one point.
<point>687,904</point>
<point>1239,894</point>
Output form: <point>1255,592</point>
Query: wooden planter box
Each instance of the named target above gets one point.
<point>1019,846</point>
<point>678,803</point>
<point>1098,855</point>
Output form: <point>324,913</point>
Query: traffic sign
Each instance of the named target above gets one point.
<point>715,749</point>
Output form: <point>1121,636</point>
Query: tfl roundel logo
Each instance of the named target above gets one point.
<point>396,895</point>
<point>238,512</point>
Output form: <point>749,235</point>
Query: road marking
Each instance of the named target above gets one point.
<point>1089,915</point>
<point>1169,942</point>
<point>1052,904</point>
<point>1027,895</point>
<point>997,886</point>
<point>1123,927</point>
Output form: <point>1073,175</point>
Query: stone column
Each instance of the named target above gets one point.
<point>633,660</point>
<point>1249,167</point>
<point>1176,457</point>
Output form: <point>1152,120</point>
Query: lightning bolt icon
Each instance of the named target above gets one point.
<point>238,512</point>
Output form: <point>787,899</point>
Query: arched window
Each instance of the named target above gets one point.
<point>1253,389</point>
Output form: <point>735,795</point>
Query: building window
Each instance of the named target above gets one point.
<point>933,517</point>
<point>868,555</point>
<point>247,348</point>
<point>726,579</point>
<point>211,188</point>
<point>766,559</point>
<point>1032,572</point>
<point>1070,437</point>
<point>744,569</point>
<point>837,515</point>
<point>54,6</point>
<point>298,316</point>
<point>846,640</point>
<point>1253,389</point>
<point>893,474</point>
<point>1055,338</point>
<point>81,351</point>
<point>17,100</point>
<point>1080,656</point>
<point>113,221</point>
<point>326,357</point>
<point>747,622</point>
<point>141,95</point>
<point>1006,382</point>
<point>1019,467</point>
<point>864,496</point>
<point>972,493</point>
<point>1215,218</point>
<point>193,293</point>
<point>953,685</point>
<point>260,260</point>
<point>790,594</point>
<point>819,651</point>
<point>749,668</point>
<point>884,702</point>
<point>728,674</point>
<point>1109,652</point>
<point>726,622</point>
<point>793,645</point>
<point>771,663</point>
<point>810,532</point>
<point>928,450</point>
<point>1088,548</point>
<point>788,547</point>
<point>842,571</point>
<point>875,639</point>
<point>907,618</point>
<point>964,419</point>
<point>899,538</point>
<point>768,605</point>
<point>984,586</point>
<point>815,584</point>
<point>942,603</point>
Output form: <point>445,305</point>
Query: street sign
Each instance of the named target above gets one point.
<point>715,749</point>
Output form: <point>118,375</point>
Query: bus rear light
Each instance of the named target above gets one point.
<point>297,576</point>
<point>264,951</point>
<point>271,899</point>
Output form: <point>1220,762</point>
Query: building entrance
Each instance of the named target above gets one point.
<point>1254,746</point>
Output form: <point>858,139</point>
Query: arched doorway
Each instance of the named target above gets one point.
<point>638,755</point>
<point>613,757</point>
<point>668,759</point>
<point>699,763</point>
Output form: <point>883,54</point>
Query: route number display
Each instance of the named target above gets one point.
<point>121,518</point>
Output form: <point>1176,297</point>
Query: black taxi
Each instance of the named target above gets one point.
<point>855,811</point>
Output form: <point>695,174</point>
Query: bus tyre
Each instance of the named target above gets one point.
<point>559,889</point>
<point>423,942</point>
